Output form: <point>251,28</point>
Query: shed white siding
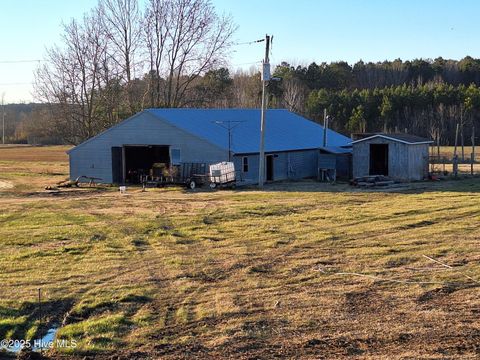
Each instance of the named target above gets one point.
<point>405,161</point>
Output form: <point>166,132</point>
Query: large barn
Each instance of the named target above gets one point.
<point>173,136</point>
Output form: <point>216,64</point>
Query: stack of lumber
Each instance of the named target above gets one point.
<point>372,180</point>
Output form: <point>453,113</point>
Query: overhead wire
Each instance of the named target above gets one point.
<point>20,61</point>
<point>248,63</point>
<point>249,42</point>
<point>16,83</point>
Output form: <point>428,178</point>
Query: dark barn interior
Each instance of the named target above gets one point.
<point>379,159</point>
<point>269,167</point>
<point>139,160</point>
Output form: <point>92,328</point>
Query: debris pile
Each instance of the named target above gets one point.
<point>92,181</point>
<point>372,181</point>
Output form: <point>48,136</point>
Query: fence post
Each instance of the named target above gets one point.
<point>455,165</point>
<point>471,163</point>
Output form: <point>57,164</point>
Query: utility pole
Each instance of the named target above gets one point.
<point>325,127</point>
<point>265,79</point>
<point>3,118</point>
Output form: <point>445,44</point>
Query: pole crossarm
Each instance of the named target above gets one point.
<point>229,127</point>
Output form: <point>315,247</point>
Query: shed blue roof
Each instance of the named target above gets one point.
<point>284,130</point>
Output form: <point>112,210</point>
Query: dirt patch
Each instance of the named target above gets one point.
<point>363,302</point>
<point>442,292</point>
<point>5,185</point>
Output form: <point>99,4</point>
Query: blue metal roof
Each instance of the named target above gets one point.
<point>284,130</point>
<point>337,149</point>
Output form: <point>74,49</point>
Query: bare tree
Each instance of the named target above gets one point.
<point>121,21</point>
<point>247,89</point>
<point>70,80</point>
<point>155,37</point>
<point>294,95</point>
<point>185,39</point>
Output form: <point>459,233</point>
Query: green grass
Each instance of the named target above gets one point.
<point>242,273</point>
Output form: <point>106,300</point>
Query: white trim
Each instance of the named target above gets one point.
<point>393,139</point>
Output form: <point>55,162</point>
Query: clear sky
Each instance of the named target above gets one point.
<point>304,31</point>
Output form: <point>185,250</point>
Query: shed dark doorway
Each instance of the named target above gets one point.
<point>379,159</point>
<point>139,160</point>
<point>269,169</point>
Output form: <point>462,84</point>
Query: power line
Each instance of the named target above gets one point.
<point>248,63</point>
<point>15,84</point>
<point>249,42</point>
<point>19,61</point>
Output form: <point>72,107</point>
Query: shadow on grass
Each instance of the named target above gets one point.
<point>461,184</point>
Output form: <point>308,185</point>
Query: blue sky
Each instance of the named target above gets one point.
<point>304,31</point>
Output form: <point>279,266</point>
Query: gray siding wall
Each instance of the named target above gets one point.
<point>360,159</point>
<point>292,165</point>
<point>405,162</point>
<point>418,161</point>
<point>302,164</point>
<point>398,160</point>
<point>94,158</point>
<point>340,162</point>
<point>344,163</point>
<point>251,176</point>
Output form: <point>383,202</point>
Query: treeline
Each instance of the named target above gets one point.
<point>428,98</point>
<point>28,124</point>
<point>432,109</point>
<point>340,75</point>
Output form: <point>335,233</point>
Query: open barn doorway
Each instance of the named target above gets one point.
<point>269,167</point>
<point>139,159</point>
<point>379,159</point>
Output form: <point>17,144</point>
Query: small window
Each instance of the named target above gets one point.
<point>176,156</point>
<point>245,164</point>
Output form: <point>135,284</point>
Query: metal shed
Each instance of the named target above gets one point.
<point>205,136</point>
<point>400,156</point>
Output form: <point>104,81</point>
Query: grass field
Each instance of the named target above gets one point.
<point>448,151</point>
<point>302,270</point>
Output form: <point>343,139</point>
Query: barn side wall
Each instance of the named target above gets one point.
<point>288,165</point>
<point>398,167</point>
<point>418,161</point>
<point>360,159</point>
<point>340,162</point>
<point>94,158</point>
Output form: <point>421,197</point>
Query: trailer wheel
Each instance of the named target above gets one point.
<point>213,185</point>
<point>191,184</point>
